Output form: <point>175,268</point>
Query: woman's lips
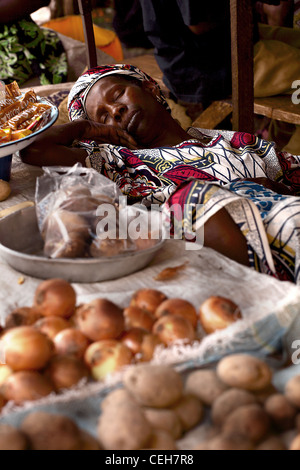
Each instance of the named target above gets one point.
<point>133,123</point>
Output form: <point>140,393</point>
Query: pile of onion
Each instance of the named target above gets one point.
<point>55,344</point>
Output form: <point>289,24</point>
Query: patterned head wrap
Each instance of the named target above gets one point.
<point>79,91</point>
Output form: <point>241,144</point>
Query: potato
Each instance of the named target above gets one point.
<point>271,443</point>
<point>11,438</point>
<point>281,412</point>
<point>229,401</point>
<point>203,445</point>
<point>87,441</point>
<point>244,371</point>
<point>205,385</point>
<point>123,427</point>
<point>161,440</point>
<point>292,390</point>
<point>117,396</point>
<point>295,444</point>
<point>156,386</point>
<point>47,431</point>
<point>164,419</point>
<point>250,421</point>
<point>297,422</point>
<point>224,442</point>
<point>262,395</point>
<point>190,411</point>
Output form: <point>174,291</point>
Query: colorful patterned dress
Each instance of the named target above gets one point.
<point>210,170</point>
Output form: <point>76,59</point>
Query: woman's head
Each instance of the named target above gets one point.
<point>82,87</point>
<point>122,96</point>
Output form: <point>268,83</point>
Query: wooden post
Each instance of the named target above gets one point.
<point>241,19</point>
<point>85,10</point>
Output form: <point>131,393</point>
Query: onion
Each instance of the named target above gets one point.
<point>66,371</point>
<point>5,371</point>
<point>26,385</point>
<point>100,319</point>
<point>71,342</point>
<point>55,297</point>
<point>148,346</point>
<point>147,299</point>
<point>107,356</point>
<point>178,307</point>
<point>26,348</point>
<point>23,316</point>
<point>136,317</point>
<point>216,313</point>
<point>2,401</point>
<point>51,325</point>
<point>171,328</point>
<point>133,339</point>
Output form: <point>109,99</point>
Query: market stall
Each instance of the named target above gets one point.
<point>267,327</point>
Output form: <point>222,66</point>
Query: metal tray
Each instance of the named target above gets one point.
<point>13,146</point>
<point>21,247</point>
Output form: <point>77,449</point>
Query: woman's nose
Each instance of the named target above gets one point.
<point>117,112</point>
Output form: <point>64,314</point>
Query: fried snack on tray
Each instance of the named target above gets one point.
<point>5,135</point>
<point>20,115</point>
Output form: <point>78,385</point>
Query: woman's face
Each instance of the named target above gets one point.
<point>115,101</point>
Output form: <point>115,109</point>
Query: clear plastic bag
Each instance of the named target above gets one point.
<point>81,214</point>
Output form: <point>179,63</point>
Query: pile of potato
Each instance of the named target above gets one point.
<point>151,411</point>
<point>156,407</point>
<point>40,430</point>
<point>236,402</point>
<point>56,344</point>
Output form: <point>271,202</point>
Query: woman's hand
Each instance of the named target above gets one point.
<point>278,188</point>
<point>104,134</point>
<point>54,146</point>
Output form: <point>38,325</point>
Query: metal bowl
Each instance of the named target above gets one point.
<point>21,247</point>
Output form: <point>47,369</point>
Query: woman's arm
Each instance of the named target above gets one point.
<point>12,10</point>
<point>54,146</point>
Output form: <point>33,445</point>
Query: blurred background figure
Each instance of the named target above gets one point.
<point>128,24</point>
<point>192,48</point>
<point>276,15</point>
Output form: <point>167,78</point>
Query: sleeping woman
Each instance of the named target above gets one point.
<point>121,126</point>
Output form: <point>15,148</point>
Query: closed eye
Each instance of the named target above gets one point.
<point>103,118</point>
<point>118,94</point>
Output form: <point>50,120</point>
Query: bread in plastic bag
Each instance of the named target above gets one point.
<point>83,214</point>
